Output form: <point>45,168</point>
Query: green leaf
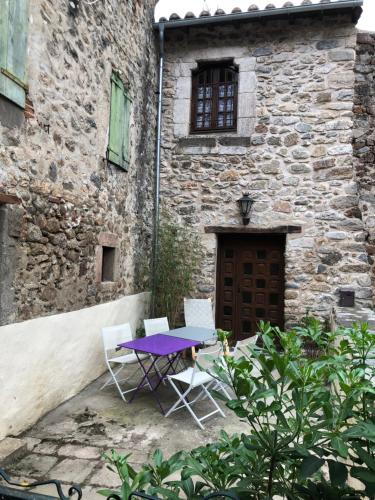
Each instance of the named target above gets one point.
<point>339,445</point>
<point>338,473</point>
<point>310,465</point>
<point>365,457</point>
<point>107,492</point>
<point>363,474</point>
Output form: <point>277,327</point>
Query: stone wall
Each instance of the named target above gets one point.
<point>72,199</point>
<point>364,136</point>
<point>296,160</point>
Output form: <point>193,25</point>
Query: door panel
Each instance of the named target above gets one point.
<point>250,282</point>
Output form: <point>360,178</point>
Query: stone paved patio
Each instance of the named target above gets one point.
<point>68,442</point>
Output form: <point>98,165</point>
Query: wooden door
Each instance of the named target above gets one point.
<point>250,283</point>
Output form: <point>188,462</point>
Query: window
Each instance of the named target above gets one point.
<point>214,101</point>
<point>118,144</point>
<point>13,44</point>
<point>108,264</point>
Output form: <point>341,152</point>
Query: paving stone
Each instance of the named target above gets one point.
<point>72,471</point>
<point>31,442</point>
<point>46,448</point>
<point>105,478</point>
<point>86,452</point>
<point>11,449</point>
<point>34,465</point>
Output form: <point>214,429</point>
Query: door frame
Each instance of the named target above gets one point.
<point>243,236</point>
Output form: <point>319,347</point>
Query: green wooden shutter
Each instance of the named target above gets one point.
<point>118,144</point>
<point>13,49</point>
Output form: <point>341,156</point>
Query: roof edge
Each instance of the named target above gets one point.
<point>285,12</point>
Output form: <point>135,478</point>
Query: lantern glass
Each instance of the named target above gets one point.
<point>245,204</point>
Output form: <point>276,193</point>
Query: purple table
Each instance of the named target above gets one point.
<point>159,346</point>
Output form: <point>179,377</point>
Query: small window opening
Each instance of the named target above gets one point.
<point>214,98</point>
<point>108,264</point>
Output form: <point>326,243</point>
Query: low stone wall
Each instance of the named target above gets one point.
<point>46,361</point>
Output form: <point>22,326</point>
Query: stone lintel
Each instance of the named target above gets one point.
<point>252,229</point>
<point>9,199</point>
<point>108,240</point>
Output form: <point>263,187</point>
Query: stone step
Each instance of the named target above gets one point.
<point>12,449</point>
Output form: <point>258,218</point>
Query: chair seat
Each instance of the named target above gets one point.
<point>127,358</point>
<point>185,377</point>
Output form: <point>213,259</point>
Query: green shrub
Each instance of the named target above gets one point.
<point>311,423</point>
<point>178,259</point>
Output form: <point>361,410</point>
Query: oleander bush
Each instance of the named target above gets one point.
<point>311,424</point>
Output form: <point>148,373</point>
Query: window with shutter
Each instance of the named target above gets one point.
<point>118,144</point>
<point>13,48</point>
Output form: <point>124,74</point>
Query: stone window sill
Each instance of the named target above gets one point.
<point>213,144</point>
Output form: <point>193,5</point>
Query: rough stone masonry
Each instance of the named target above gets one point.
<point>72,200</point>
<point>292,151</point>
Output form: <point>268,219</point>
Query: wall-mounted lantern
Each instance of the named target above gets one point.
<point>245,203</point>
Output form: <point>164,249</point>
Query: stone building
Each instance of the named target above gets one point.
<point>75,228</point>
<point>278,103</point>
<point>262,102</point>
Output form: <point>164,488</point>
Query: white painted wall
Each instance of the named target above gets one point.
<point>45,361</point>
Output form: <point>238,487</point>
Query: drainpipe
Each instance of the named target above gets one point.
<point>158,157</point>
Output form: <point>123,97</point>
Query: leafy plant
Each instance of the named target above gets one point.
<point>222,337</point>
<point>311,423</point>
<point>178,259</point>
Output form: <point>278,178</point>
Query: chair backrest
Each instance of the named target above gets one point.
<point>198,312</point>
<point>243,343</point>
<point>205,359</point>
<point>114,335</point>
<point>156,325</point>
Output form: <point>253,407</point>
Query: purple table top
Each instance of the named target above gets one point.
<point>159,344</point>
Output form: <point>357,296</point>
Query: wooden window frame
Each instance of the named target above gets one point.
<point>215,68</point>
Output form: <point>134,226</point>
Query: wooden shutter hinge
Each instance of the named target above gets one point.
<point>16,80</point>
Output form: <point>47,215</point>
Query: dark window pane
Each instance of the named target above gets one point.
<point>220,84</point>
<point>261,254</point>
<point>260,313</point>
<point>248,268</point>
<point>246,297</point>
<point>246,326</point>
<point>274,299</point>
<point>228,282</point>
<point>227,310</point>
<point>274,269</point>
<point>261,283</point>
<point>228,253</point>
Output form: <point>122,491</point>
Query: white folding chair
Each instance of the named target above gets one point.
<point>156,325</point>
<point>112,336</point>
<point>198,312</point>
<point>241,344</point>
<point>196,377</point>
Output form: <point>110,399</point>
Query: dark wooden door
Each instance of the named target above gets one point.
<point>250,283</point>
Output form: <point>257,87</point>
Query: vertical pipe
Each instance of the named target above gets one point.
<point>158,157</point>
